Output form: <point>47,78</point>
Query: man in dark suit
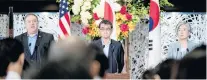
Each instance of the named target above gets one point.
<point>36,43</point>
<point>113,50</point>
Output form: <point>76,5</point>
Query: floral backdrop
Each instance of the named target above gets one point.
<point>91,12</point>
<point>94,9</point>
<point>127,14</point>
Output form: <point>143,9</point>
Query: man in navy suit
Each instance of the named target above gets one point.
<point>36,43</point>
<point>113,50</point>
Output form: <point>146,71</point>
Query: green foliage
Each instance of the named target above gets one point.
<point>164,3</point>
<point>94,3</point>
<point>75,18</point>
<point>136,7</point>
<point>140,10</point>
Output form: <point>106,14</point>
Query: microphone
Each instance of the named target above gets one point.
<point>103,46</point>
<point>187,50</point>
<point>177,53</point>
<point>30,44</point>
<point>117,67</point>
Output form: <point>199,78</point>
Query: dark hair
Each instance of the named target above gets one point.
<point>149,74</point>
<point>164,70</point>
<point>29,14</point>
<point>193,65</point>
<point>105,22</point>
<point>100,57</point>
<point>192,69</point>
<point>10,50</point>
<point>64,69</point>
<point>198,52</point>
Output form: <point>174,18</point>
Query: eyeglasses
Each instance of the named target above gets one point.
<point>32,21</point>
<point>107,29</point>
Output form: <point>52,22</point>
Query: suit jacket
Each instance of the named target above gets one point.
<point>41,49</point>
<point>115,56</point>
<point>174,50</point>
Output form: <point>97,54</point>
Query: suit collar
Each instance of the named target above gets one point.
<point>103,41</point>
<point>111,46</point>
<point>178,44</point>
<point>25,43</point>
<point>100,42</point>
<point>39,37</point>
<point>36,34</point>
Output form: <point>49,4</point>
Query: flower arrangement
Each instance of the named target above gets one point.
<point>128,13</point>
<point>83,14</point>
<point>124,21</point>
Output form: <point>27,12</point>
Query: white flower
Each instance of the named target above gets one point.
<point>83,8</point>
<point>76,9</point>
<point>85,15</point>
<point>117,7</point>
<point>99,10</point>
<point>86,6</point>
<point>82,14</point>
<point>84,21</point>
<point>88,15</point>
<point>89,0</point>
<point>78,2</point>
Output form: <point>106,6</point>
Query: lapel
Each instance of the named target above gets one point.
<point>100,44</point>
<point>25,43</point>
<point>39,37</point>
<point>189,45</point>
<point>179,46</point>
<point>111,48</point>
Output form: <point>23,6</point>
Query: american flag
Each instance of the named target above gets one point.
<point>64,19</point>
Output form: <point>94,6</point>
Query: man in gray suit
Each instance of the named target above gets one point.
<point>113,50</point>
<point>180,48</point>
<point>36,43</point>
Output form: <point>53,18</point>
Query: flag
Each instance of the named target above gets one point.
<point>64,19</point>
<point>154,34</point>
<point>109,14</point>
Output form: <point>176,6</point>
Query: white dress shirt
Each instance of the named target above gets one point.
<point>106,48</point>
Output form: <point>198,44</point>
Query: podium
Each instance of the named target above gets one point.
<point>117,76</point>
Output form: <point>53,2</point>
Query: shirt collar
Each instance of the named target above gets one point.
<point>103,42</point>
<point>32,35</point>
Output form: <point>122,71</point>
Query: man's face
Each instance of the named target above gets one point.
<point>105,30</point>
<point>183,32</point>
<point>31,24</point>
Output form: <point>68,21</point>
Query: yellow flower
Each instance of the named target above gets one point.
<point>93,32</point>
<point>118,31</point>
<point>123,17</point>
<point>131,26</point>
<point>119,22</point>
<point>125,34</point>
<point>118,16</point>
